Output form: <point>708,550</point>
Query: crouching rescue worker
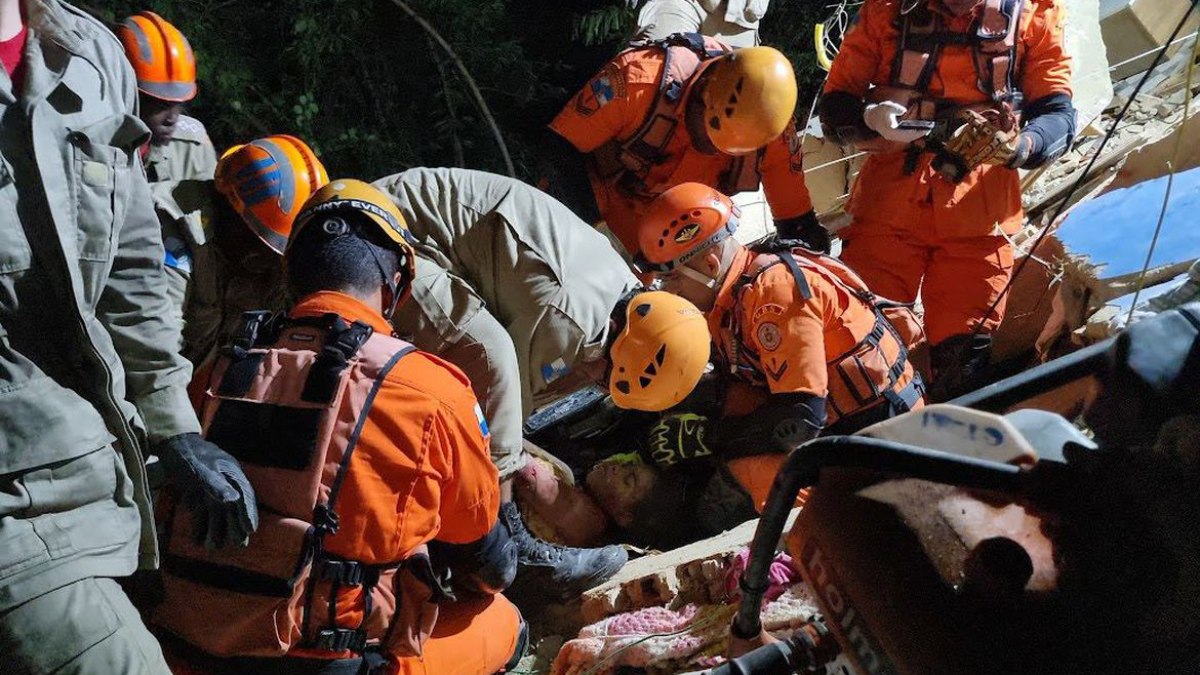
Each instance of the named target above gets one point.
<point>180,158</point>
<point>951,97</point>
<point>259,189</point>
<point>373,475</point>
<point>689,109</point>
<point>518,292</point>
<point>90,377</point>
<point>798,326</point>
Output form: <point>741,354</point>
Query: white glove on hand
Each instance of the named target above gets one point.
<point>883,119</point>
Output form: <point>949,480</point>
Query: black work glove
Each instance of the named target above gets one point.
<point>213,487</point>
<point>678,438</point>
<point>807,230</point>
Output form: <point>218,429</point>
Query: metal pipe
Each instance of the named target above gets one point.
<point>1001,395</point>
<point>802,469</point>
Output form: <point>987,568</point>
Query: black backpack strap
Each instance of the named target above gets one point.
<point>253,330</point>
<point>342,342</point>
<point>802,286</point>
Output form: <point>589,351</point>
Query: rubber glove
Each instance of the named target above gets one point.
<point>884,119</point>
<point>678,438</point>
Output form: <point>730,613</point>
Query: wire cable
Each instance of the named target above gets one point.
<point>1171,164</point>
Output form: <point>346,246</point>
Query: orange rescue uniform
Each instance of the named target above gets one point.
<point>912,226</point>
<point>766,334</point>
<point>613,106</point>
<point>450,491</point>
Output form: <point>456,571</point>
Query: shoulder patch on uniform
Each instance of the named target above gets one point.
<point>483,425</point>
<point>556,369</point>
<point>609,84</point>
<point>769,309</point>
<point>190,129</point>
<point>769,336</point>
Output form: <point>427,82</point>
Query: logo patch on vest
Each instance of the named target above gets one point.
<point>769,336</point>
<point>687,233</point>
<point>177,255</point>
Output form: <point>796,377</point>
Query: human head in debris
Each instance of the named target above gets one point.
<point>796,325</point>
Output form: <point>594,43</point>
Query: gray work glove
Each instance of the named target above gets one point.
<point>213,487</point>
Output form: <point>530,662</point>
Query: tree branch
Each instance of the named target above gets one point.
<point>470,81</point>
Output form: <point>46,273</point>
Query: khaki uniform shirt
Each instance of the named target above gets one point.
<point>87,352</point>
<point>486,229</point>
<point>180,174</point>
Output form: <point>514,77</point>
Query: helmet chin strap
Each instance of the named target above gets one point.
<point>710,282</point>
<point>389,283</point>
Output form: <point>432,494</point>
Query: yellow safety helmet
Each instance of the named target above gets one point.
<point>658,358</point>
<point>347,196</point>
<point>749,97</point>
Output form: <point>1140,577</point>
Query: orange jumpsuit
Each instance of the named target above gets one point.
<point>767,335</point>
<point>452,493</point>
<point>918,231</point>
<point>612,107</point>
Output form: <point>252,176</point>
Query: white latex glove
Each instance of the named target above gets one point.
<point>884,119</point>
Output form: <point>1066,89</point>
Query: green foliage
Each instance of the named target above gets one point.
<point>372,92</point>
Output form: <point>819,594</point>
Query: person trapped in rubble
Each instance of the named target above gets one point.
<point>258,190</point>
<point>939,196</point>
<point>372,467</point>
<point>180,159</point>
<point>517,292</point>
<point>91,380</point>
<point>798,326</point>
<point>686,109</point>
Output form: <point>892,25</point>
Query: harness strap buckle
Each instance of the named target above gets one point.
<point>341,639</point>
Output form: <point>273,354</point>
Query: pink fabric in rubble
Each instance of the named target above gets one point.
<point>603,646</point>
<point>780,577</point>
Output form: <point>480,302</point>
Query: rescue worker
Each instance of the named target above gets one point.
<point>690,109</point>
<point>179,159</point>
<point>517,292</point>
<point>258,190</point>
<point>372,465</point>
<point>734,22</point>
<point>939,195</point>
<point>91,380</point>
<point>797,325</point>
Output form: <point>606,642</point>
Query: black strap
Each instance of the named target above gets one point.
<point>342,342</point>
<point>802,286</point>
<point>325,518</point>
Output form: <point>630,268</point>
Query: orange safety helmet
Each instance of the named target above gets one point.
<point>682,222</point>
<point>347,196</point>
<point>267,182</point>
<point>660,355</point>
<point>749,98</point>
<point>161,56</point>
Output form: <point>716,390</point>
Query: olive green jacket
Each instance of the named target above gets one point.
<point>87,354</point>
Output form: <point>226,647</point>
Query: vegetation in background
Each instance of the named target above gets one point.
<point>369,89</point>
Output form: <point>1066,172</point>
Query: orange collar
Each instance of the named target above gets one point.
<point>345,306</point>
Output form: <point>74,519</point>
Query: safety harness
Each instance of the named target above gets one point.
<point>869,373</point>
<point>630,161</point>
<point>992,38</point>
<point>289,399</point>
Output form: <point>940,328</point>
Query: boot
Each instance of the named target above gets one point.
<point>544,568</point>
<point>959,365</point>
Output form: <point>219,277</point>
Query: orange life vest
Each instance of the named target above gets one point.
<point>923,35</point>
<point>877,368</point>
<point>685,56</point>
<point>289,399</point>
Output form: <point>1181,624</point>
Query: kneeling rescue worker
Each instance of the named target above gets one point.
<point>689,109</point>
<point>793,322</point>
<point>933,89</point>
<point>370,460</point>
